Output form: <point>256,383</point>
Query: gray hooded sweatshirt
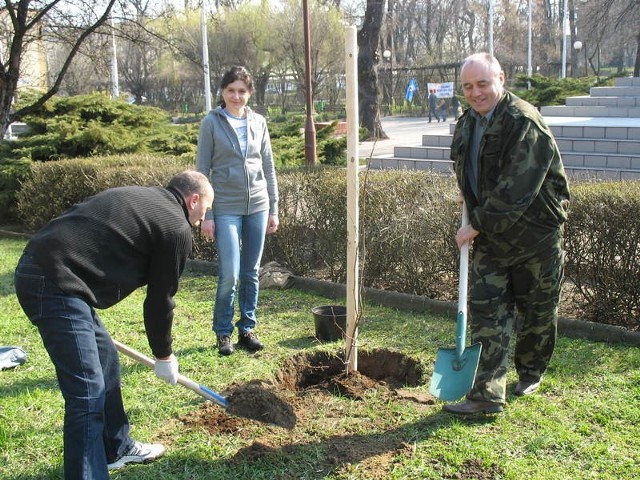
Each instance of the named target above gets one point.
<point>243,184</point>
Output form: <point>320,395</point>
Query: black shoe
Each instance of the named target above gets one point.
<point>250,341</point>
<point>526,388</point>
<point>225,347</point>
<point>468,407</point>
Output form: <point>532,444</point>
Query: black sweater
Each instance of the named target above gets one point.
<point>116,241</point>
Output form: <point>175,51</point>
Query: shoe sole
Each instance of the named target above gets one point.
<point>523,393</point>
<point>250,349</point>
<point>123,463</point>
<point>519,393</point>
<point>494,409</point>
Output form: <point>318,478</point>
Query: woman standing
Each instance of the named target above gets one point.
<point>234,151</point>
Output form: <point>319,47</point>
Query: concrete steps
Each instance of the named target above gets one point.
<point>600,148</point>
<point>598,136</point>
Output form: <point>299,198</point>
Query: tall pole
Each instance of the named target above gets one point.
<point>529,62</point>
<point>115,88</point>
<point>564,40</point>
<point>353,167</point>
<point>309,126</point>
<point>205,60</point>
<point>491,27</point>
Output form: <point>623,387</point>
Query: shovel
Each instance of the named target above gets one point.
<point>182,380</point>
<point>455,368</point>
<point>251,401</point>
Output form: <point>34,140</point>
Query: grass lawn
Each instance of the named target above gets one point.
<point>583,423</point>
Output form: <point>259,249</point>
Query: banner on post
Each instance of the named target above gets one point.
<point>443,90</point>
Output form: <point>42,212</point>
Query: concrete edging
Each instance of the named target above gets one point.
<point>568,327</point>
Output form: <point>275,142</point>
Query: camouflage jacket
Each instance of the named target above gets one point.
<point>523,190</point>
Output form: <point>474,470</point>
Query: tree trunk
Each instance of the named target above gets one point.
<point>368,58</point>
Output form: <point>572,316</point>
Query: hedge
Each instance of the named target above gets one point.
<point>408,221</point>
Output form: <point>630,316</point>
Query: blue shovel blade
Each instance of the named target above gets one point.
<point>453,376</point>
<point>215,397</point>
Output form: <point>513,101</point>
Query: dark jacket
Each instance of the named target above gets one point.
<point>115,242</point>
<point>522,187</point>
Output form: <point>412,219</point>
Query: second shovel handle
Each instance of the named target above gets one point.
<point>463,280</point>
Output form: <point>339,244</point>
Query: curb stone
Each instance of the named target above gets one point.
<point>567,327</point>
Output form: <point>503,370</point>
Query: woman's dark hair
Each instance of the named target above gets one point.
<point>236,73</point>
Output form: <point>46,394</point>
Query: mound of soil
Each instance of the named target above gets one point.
<point>256,402</point>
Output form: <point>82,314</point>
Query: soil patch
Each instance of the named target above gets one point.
<point>309,392</point>
<point>282,401</point>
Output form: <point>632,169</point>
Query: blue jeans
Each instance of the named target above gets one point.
<point>240,241</point>
<point>96,427</point>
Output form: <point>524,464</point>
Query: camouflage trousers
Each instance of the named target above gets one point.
<point>527,286</point>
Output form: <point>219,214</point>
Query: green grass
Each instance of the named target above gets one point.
<point>584,423</point>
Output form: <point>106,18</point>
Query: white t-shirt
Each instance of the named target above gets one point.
<point>239,125</point>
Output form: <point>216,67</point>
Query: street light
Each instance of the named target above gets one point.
<point>578,45</point>
<point>565,32</point>
<point>387,56</point>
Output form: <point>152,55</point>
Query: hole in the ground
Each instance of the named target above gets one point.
<point>314,369</point>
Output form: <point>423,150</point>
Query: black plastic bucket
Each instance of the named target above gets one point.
<point>330,322</point>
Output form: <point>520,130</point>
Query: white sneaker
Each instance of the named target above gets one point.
<point>139,453</point>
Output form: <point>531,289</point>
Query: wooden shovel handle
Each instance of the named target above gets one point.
<point>182,380</point>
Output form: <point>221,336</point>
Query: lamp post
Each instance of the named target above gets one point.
<point>529,63</point>
<point>205,60</point>
<point>389,58</point>
<point>115,88</point>
<point>310,153</point>
<point>565,21</point>
<point>578,45</point>
<point>491,14</point>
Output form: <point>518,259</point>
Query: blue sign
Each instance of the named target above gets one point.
<point>411,89</point>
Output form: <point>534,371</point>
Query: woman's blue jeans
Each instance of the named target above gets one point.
<point>96,427</point>
<point>240,241</point>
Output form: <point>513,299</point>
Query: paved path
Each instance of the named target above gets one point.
<point>402,131</point>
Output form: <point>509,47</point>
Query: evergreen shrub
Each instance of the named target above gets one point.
<point>90,125</point>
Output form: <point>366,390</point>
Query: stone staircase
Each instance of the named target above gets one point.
<point>598,136</point>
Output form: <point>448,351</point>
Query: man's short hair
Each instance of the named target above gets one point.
<point>189,182</point>
<point>484,58</point>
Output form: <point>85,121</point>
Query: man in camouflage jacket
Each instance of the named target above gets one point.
<point>513,182</point>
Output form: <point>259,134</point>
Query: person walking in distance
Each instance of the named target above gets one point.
<point>91,257</point>
<point>433,105</point>
<point>511,177</point>
<point>234,151</point>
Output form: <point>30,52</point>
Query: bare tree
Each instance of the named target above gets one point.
<point>368,59</point>
<point>28,21</point>
<point>610,26</point>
